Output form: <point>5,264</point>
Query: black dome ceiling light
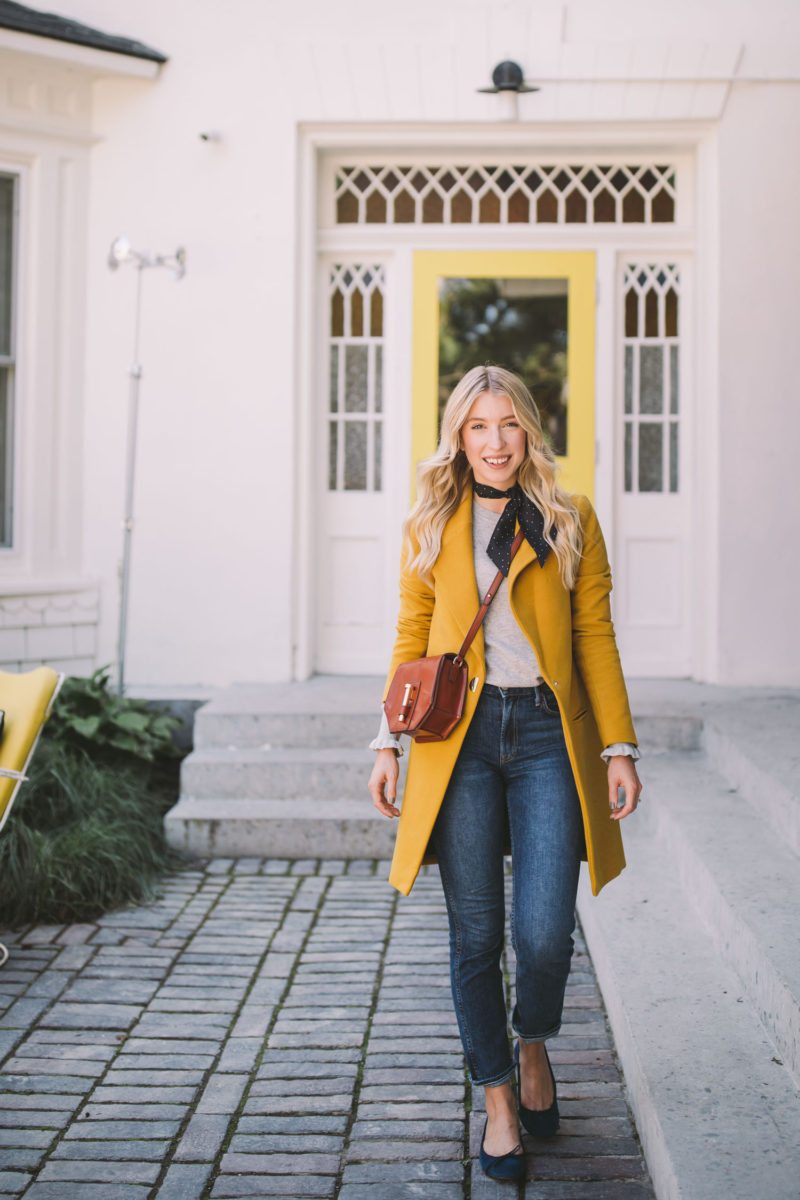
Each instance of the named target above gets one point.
<point>507,77</point>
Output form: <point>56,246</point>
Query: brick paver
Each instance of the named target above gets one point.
<point>278,1029</point>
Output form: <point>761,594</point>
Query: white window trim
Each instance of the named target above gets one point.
<point>14,554</point>
<point>51,269</point>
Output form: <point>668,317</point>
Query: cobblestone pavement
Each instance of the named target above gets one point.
<point>273,1029</point>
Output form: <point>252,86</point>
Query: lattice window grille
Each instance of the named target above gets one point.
<point>475,194</point>
<point>651,297</point>
<point>355,379</point>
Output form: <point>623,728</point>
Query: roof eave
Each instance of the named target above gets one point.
<point>95,62</point>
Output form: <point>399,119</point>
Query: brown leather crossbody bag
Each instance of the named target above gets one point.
<point>426,696</point>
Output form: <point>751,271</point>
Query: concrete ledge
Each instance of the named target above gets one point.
<point>253,730</point>
<point>305,773</point>
<point>743,884</point>
<point>716,1112</point>
<point>335,711</point>
<point>280,828</point>
<point>755,746</point>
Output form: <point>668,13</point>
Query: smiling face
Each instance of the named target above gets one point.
<point>494,441</point>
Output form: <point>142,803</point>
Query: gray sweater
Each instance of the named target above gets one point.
<point>510,659</point>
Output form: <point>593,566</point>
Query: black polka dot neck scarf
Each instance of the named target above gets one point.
<point>531,520</point>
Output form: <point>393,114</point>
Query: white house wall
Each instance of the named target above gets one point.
<point>759,369</point>
<point>211,570</point>
<point>214,593</point>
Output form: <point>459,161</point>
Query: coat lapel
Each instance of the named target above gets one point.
<point>455,570</point>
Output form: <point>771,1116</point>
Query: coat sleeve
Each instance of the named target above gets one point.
<point>414,618</point>
<point>594,645</point>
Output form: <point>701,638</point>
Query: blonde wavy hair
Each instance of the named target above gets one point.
<point>443,477</point>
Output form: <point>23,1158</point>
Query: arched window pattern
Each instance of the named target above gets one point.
<point>355,380</point>
<point>651,296</point>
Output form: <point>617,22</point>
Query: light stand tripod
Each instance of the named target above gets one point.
<point>121,252</point>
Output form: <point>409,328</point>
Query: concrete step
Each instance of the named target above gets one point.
<point>264,730</point>
<point>325,710</point>
<point>716,1111</point>
<point>331,712</point>
<point>748,744</point>
<point>307,773</point>
<point>333,828</point>
<point>742,881</point>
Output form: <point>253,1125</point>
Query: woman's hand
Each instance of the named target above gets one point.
<point>384,776</point>
<point>622,774</point>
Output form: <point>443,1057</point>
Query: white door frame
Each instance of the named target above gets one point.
<point>697,140</point>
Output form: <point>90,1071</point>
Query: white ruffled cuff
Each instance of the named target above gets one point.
<point>385,739</point>
<point>620,748</point>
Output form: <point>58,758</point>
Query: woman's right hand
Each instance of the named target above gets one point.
<point>383,782</point>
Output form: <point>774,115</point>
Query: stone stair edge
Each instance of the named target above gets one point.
<point>287,754</point>
<point>278,829</point>
<point>759,773</point>
<point>205,712</point>
<point>699,1067</point>
<point>743,883</point>
<point>226,808</point>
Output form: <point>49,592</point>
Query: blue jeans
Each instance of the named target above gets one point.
<point>512,776</point>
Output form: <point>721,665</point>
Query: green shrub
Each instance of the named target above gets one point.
<point>88,716</point>
<point>85,834</point>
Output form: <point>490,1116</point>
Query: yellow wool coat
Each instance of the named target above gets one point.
<point>572,635</point>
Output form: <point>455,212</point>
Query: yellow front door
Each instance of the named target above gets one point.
<point>528,310</point>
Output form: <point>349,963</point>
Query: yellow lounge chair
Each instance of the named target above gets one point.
<point>27,700</point>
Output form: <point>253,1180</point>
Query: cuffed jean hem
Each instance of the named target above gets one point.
<point>539,1037</point>
<point>497,1081</point>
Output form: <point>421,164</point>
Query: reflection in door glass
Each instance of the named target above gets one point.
<point>520,324</point>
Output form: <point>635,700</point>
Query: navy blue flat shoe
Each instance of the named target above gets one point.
<point>540,1122</point>
<point>502,1166</point>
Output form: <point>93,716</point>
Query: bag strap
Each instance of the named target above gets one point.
<point>487,600</point>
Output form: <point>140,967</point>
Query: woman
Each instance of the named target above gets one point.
<point>523,772</point>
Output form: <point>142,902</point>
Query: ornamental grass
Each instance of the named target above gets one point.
<point>85,834</point>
